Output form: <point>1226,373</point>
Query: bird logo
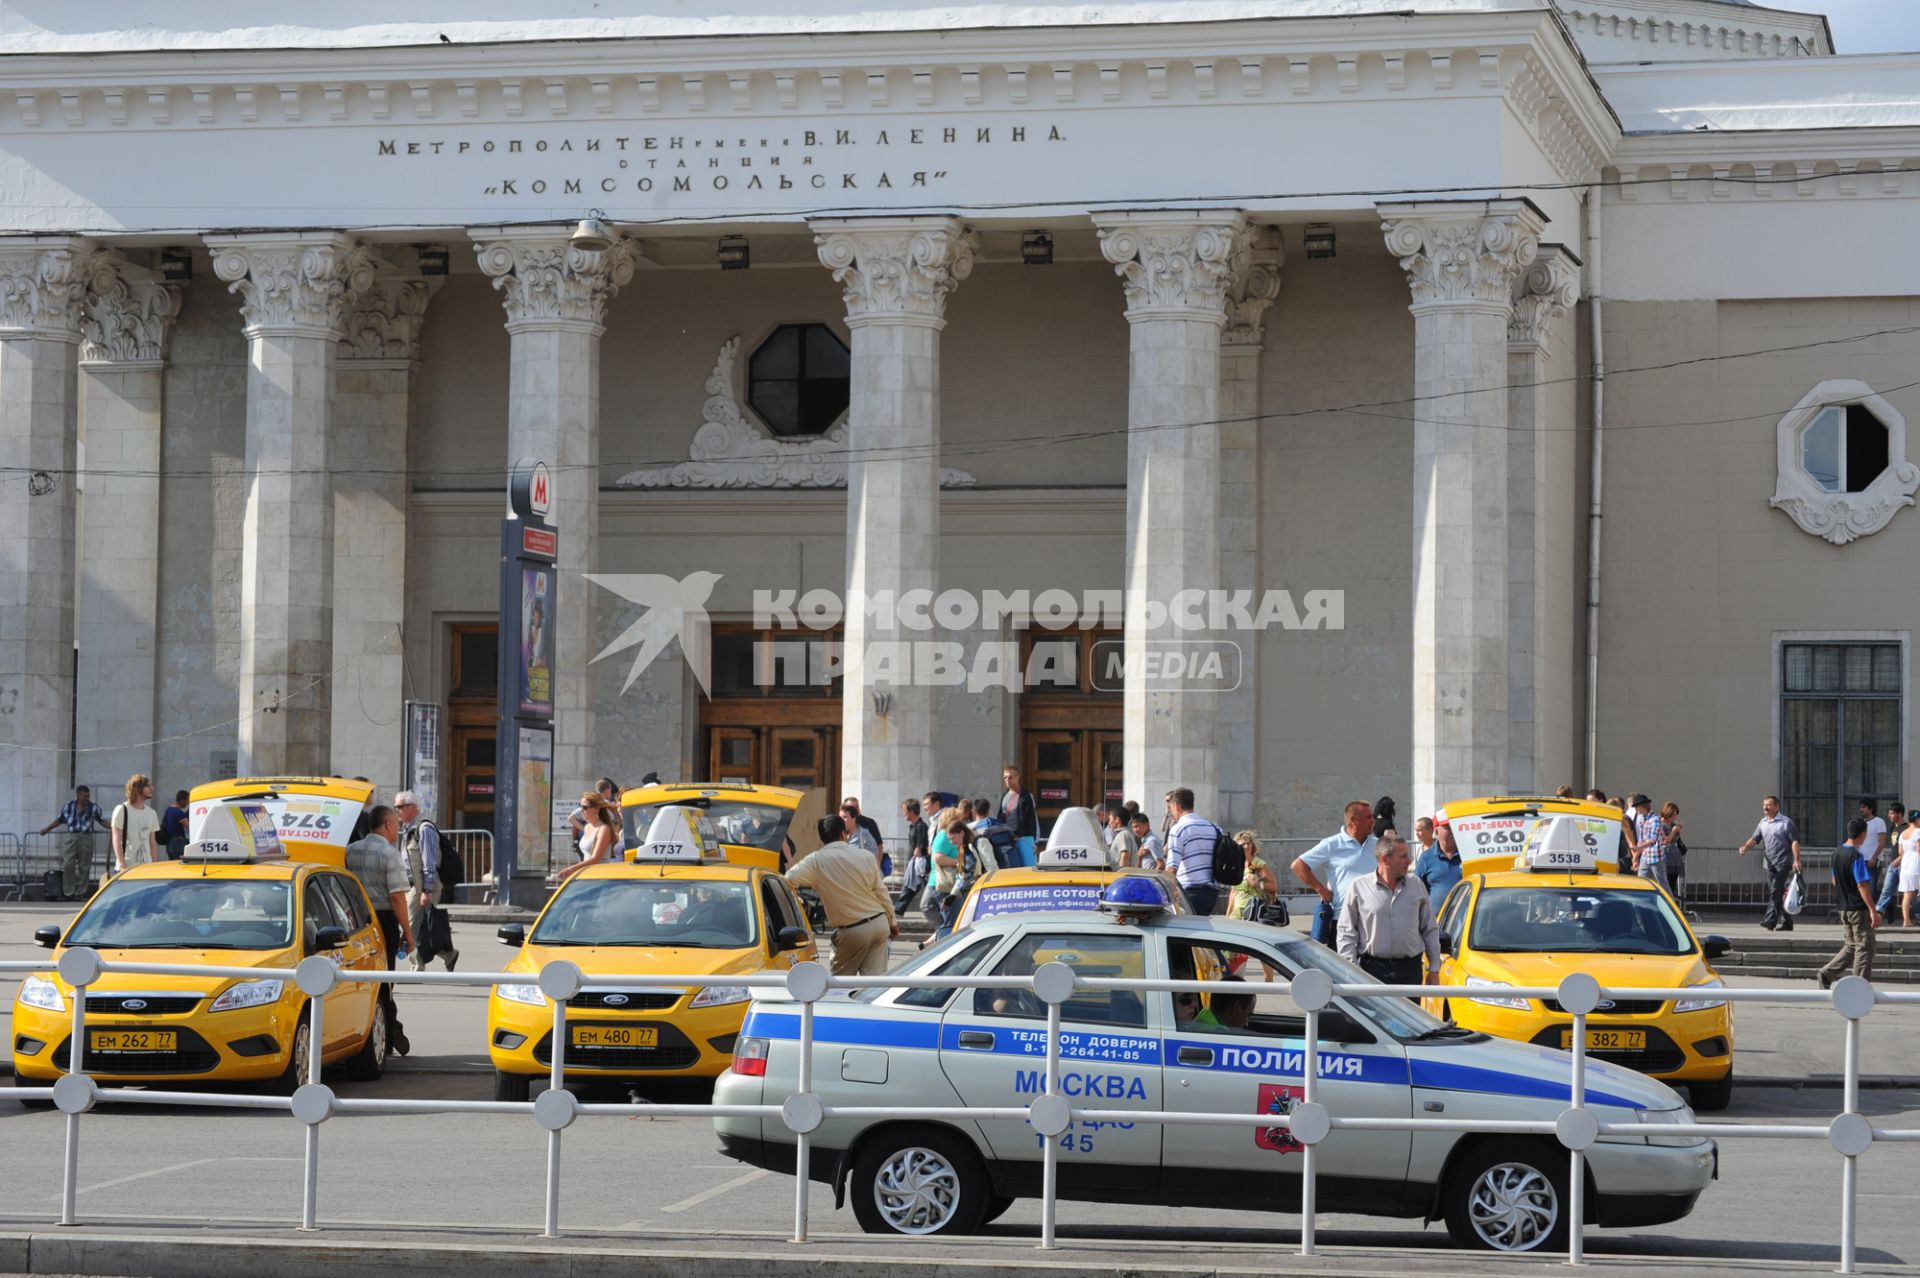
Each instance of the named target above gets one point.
<point>675,609</point>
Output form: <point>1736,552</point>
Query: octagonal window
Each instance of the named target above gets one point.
<point>1844,448</point>
<point>798,380</point>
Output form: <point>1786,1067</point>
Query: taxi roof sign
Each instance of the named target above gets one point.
<point>1559,845</point>
<point>1075,844</point>
<point>679,835</point>
<point>236,834</point>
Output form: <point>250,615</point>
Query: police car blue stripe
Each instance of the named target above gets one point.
<point>856,1031</point>
<point>1450,1076</point>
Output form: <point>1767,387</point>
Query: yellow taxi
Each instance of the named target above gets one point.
<point>685,904</point>
<point>262,883</point>
<point>1068,874</point>
<point>1560,906</point>
<point>752,821</point>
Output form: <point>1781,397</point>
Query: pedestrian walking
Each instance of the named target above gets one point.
<point>1336,861</point>
<point>1121,840</point>
<point>421,848</point>
<point>847,881</point>
<point>1779,840</point>
<point>1890,856</point>
<point>1439,866</point>
<point>1675,859</point>
<point>1387,921</point>
<point>1853,896</point>
<point>173,827</point>
<point>1258,889</point>
<point>79,818</point>
<point>919,856</point>
<point>1189,851</point>
<point>1909,864</point>
<point>375,861</point>
<point>1018,812</point>
<point>599,838</point>
<point>1649,841</point>
<point>135,825</point>
<point>872,829</point>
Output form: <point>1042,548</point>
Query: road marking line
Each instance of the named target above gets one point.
<point>687,1204</point>
<point>161,1171</point>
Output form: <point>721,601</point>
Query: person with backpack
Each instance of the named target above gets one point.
<point>429,867</point>
<point>1200,855</point>
<point>1006,846</point>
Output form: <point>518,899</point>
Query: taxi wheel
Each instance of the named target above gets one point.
<point>370,1062</point>
<point>1508,1195</point>
<point>1711,1096</point>
<point>511,1087</point>
<point>919,1180</point>
<point>298,1056</point>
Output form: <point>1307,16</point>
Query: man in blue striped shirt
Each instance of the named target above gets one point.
<point>1190,851</point>
<point>80,817</point>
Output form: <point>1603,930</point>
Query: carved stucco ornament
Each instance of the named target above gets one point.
<point>1844,516</point>
<point>732,450</point>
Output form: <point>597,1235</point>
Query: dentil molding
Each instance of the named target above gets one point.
<point>732,450</point>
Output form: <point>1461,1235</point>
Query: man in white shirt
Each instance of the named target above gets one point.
<point>1152,854</point>
<point>1336,861</point>
<point>1423,836</point>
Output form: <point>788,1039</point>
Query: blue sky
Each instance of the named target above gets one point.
<point>1865,26</point>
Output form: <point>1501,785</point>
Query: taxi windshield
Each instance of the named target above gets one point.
<point>1402,1018</point>
<point>188,914</point>
<point>1578,920</point>
<point>712,916</point>
<point>737,821</point>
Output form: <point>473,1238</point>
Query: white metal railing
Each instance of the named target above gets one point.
<point>1576,1128</point>
<point>475,850</point>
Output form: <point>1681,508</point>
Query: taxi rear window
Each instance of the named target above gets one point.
<point>717,916</point>
<point>188,914</point>
<point>754,825</point>
<point>1579,920</point>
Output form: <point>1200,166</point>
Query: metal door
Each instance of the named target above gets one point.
<point>1221,1069</point>
<point>993,1049</point>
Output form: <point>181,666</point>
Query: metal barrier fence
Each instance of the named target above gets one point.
<point>475,850</point>
<point>1576,1129</point>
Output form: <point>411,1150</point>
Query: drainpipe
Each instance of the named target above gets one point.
<point>1595,317</point>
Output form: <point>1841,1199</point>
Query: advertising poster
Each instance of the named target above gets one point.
<point>422,759</point>
<point>535,778</point>
<point>536,643</point>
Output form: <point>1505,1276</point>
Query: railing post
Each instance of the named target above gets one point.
<point>1851,1134</point>
<point>316,1048</point>
<point>803,1141</point>
<point>1053,984</point>
<point>559,981</point>
<point>1577,1160</point>
<point>1309,1093</point>
<point>79,969</point>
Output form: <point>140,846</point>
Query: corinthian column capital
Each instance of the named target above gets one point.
<point>1254,286</point>
<point>1176,264</point>
<point>547,282</point>
<point>1544,292</point>
<point>128,313</point>
<point>384,315</point>
<point>43,285</point>
<point>1467,253</point>
<point>896,270</point>
<point>292,285</point>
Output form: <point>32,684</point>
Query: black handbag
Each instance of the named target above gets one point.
<point>1272,913</point>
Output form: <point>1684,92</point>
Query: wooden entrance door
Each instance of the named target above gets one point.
<point>733,754</point>
<point>799,757</point>
<point>1106,759</point>
<point>473,778</point>
<point>1055,772</point>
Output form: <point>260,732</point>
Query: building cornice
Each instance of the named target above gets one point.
<point>1703,28</point>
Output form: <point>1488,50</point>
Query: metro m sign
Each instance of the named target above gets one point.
<point>530,491</point>
<point>540,491</point>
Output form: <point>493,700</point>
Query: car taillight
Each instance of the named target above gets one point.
<point>750,1057</point>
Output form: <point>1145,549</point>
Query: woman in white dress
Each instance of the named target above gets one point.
<point>1909,866</point>
<point>601,836</point>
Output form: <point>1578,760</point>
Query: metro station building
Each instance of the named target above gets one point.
<point>1227,295</point>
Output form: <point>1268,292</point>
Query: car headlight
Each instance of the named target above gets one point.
<point>248,994</point>
<point>715,995</point>
<point>1682,1116</point>
<point>1478,982</point>
<point>522,994</point>
<point>38,991</point>
<point>1698,1004</point>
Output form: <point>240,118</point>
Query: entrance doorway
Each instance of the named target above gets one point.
<point>472,727</point>
<point>1070,730</point>
<point>774,716</point>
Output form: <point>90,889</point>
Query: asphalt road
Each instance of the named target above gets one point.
<point>637,1177</point>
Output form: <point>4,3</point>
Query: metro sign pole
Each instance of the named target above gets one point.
<point>523,775</point>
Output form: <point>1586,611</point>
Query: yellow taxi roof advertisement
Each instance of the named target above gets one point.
<point>311,817</point>
<point>1492,833</point>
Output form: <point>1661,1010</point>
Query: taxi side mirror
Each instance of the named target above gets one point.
<point>788,938</point>
<point>329,938</point>
<point>514,934</point>
<point>48,936</point>
<point>1716,946</point>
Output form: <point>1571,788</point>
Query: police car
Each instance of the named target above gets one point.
<point>926,1048</point>
<point>1070,873</point>
<point>683,904</point>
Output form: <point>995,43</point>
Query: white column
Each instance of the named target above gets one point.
<point>897,273</point>
<point>295,290</point>
<point>129,312</point>
<point>42,283</point>
<point>1536,498</point>
<point>373,412</point>
<point>1176,269</point>
<point>556,302</point>
<point>1252,291</point>
<point>1461,261</point>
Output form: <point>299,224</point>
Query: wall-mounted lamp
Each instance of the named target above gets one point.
<point>176,265</point>
<point>432,259</point>
<point>591,235</point>
<point>1320,241</point>
<point>732,253</point>
<point>1036,248</point>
